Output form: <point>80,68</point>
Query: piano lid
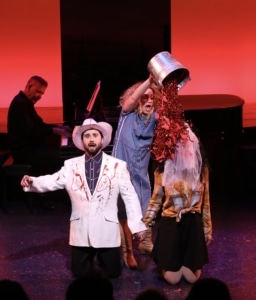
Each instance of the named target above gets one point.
<point>91,103</point>
<point>82,114</point>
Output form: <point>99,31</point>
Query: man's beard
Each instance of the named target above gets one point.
<point>93,151</point>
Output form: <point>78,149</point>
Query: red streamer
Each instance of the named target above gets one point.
<point>171,124</point>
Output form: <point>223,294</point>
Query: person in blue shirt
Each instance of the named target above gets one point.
<point>132,142</point>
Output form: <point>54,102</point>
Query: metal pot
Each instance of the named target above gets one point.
<point>164,67</point>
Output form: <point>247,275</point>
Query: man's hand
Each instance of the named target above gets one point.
<point>140,235</point>
<point>26,181</point>
<point>208,239</point>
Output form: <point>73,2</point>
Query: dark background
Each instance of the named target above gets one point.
<point>111,41</point>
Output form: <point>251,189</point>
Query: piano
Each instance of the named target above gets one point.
<point>215,116</point>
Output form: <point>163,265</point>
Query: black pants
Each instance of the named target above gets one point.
<point>108,258</point>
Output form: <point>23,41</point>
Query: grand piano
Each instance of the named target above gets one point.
<point>215,116</point>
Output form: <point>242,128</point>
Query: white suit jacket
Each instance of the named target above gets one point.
<point>94,220</point>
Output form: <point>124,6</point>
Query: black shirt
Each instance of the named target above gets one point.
<point>26,129</point>
<point>92,170</point>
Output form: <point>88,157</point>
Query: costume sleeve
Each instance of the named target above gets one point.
<point>155,202</point>
<point>206,209</point>
<point>49,182</point>
<point>131,200</point>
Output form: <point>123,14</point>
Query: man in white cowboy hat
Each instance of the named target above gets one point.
<point>93,182</point>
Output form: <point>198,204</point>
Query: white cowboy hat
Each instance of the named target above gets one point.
<point>103,127</point>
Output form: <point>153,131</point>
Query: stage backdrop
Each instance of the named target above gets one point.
<point>30,45</point>
<point>215,40</point>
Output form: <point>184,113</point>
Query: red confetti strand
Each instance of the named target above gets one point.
<point>171,124</point>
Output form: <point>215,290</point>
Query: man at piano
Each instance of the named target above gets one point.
<point>94,181</point>
<point>27,130</point>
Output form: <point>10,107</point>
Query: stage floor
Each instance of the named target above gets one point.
<point>34,251</point>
